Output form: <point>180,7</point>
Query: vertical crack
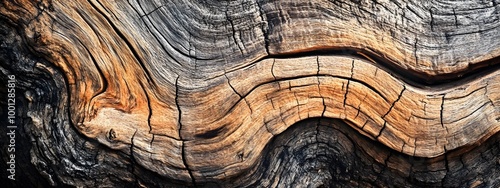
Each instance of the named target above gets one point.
<point>281,116</point>
<point>319,89</point>
<point>441,111</point>
<point>488,95</point>
<point>298,105</point>
<point>233,29</point>
<point>190,42</point>
<point>432,19</point>
<point>348,82</point>
<point>446,166</point>
<point>150,113</point>
<point>415,50</point>
<point>149,13</point>
<point>128,44</point>
<point>456,19</point>
<point>264,27</point>
<point>183,153</point>
<point>158,39</point>
<point>356,14</point>
<point>267,128</point>
<point>133,162</point>
<point>364,124</point>
<point>104,86</point>
<point>272,69</point>
<point>317,63</point>
<point>394,103</point>
<point>152,140</point>
<point>229,83</point>
<point>357,114</point>
<point>390,109</point>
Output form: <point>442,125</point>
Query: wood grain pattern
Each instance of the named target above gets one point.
<point>198,92</point>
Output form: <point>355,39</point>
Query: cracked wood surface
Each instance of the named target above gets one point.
<point>195,92</point>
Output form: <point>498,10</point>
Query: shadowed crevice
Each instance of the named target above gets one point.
<point>335,155</point>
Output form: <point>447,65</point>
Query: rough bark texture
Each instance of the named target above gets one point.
<point>253,93</point>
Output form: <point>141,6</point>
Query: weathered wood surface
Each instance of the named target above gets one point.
<point>200,93</point>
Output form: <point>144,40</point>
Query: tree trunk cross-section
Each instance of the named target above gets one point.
<point>249,93</point>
